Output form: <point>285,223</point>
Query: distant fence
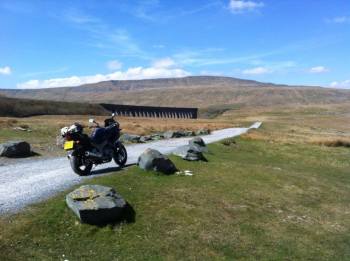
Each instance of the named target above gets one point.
<point>154,112</point>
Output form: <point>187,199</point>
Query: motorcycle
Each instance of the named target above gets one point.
<point>101,147</point>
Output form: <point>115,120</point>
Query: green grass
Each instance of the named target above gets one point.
<point>254,200</point>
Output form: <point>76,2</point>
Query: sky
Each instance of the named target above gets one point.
<point>50,43</point>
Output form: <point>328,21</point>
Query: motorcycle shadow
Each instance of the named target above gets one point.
<point>108,170</point>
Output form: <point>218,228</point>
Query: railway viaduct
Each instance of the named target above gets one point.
<point>149,111</point>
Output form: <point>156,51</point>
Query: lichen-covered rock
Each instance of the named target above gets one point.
<point>15,149</point>
<point>153,160</point>
<point>95,204</point>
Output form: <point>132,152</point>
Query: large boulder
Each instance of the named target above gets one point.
<point>95,204</point>
<point>130,138</point>
<point>153,160</point>
<point>15,149</point>
<point>198,144</point>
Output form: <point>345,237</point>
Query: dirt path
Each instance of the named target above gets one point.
<point>30,182</point>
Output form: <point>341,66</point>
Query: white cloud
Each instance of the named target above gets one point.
<point>339,20</point>
<point>240,6</point>
<point>114,65</point>
<point>257,71</point>
<point>77,17</point>
<point>341,85</point>
<point>318,69</point>
<point>164,63</point>
<point>103,35</point>
<point>5,70</point>
<point>135,73</point>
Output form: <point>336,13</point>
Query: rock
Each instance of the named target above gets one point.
<point>146,138</point>
<point>130,138</point>
<point>170,134</point>
<point>174,134</point>
<point>95,204</point>
<point>193,151</point>
<point>15,149</point>
<point>181,133</point>
<point>202,132</point>
<point>198,144</point>
<point>157,136</point>
<point>189,133</point>
<point>194,155</point>
<point>181,151</point>
<point>22,129</point>
<point>153,160</point>
<point>189,153</point>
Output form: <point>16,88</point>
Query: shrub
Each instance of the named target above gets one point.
<point>229,142</point>
<point>333,143</point>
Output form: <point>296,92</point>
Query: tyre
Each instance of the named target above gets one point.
<point>120,155</point>
<point>80,166</point>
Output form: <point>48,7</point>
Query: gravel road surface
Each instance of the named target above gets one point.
<point>35,180</point>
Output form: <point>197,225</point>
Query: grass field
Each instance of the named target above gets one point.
<point>252,200</point>
<point>273,194</point>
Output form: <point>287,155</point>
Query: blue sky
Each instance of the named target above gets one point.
<point>60,43</point>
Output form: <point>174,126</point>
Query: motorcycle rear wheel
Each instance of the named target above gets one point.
<point>79,166</point>
<point>120,156</point>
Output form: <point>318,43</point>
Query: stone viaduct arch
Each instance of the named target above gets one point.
<point>149,111</point>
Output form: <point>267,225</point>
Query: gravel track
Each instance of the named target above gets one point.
<point>30,182</point>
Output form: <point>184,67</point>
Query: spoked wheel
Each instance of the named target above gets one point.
<point>120,155</point>
<point>80,166</point>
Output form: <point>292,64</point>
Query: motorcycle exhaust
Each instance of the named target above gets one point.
<point>93,155</point>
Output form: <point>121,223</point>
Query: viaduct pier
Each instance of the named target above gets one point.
<point>154,112</point>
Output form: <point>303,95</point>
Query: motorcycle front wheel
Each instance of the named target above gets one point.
<point>120,155</point>
<point>80,166</point>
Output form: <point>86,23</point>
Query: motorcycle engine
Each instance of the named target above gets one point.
<point>107,151</point>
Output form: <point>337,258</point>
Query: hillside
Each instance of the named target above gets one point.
<point>196,91</point>
<point>13,107</point>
